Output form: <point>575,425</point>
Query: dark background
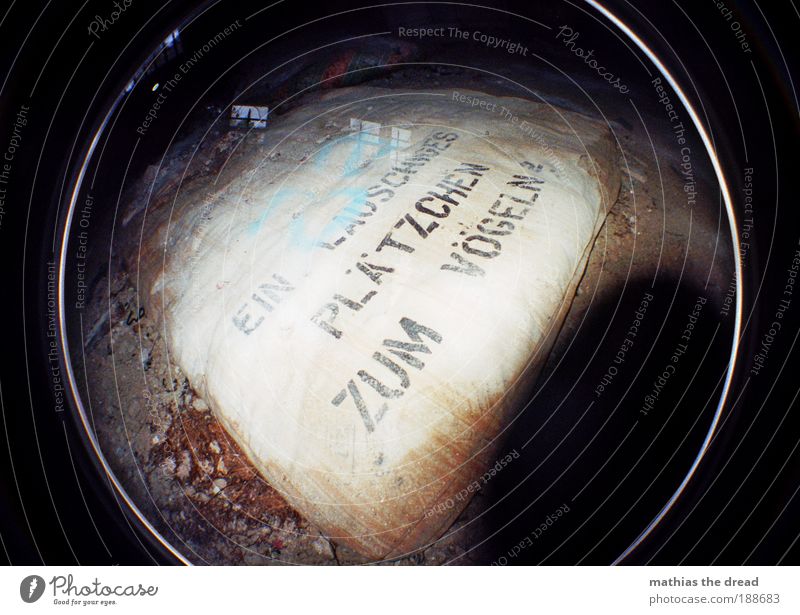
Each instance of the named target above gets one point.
<point>741,507</point>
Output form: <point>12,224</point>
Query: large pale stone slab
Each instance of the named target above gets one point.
<point>364,318</point>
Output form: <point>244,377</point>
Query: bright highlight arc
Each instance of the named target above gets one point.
<point>738,268</point>
<point>737,322</point>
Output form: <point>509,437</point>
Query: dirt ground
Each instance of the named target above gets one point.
<point>188,476</point>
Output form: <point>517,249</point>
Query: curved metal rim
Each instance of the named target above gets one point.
<point>723,184</point>
<point>699,126</point>
<point>78,401</point>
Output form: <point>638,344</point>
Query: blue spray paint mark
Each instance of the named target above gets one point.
<point>363,147</point>
<point>278,199</point>
<point>356,197</point>
<point>321,157</point>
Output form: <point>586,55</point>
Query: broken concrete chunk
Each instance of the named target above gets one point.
<point>365,317</point>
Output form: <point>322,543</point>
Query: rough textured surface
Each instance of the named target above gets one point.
<point>345,316</point>
<point>144,410</point>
